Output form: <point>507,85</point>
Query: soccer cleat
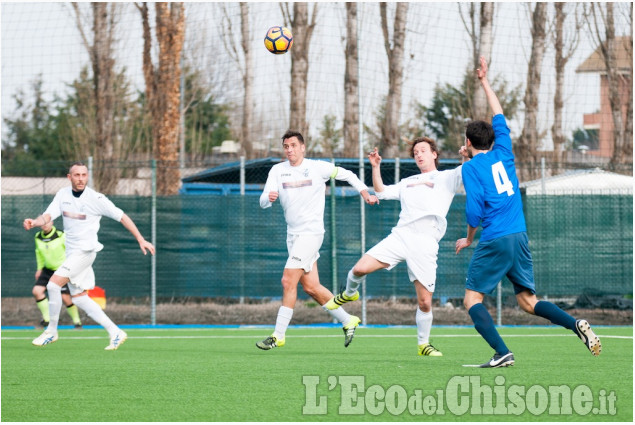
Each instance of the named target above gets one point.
<point>590,339</point>
<point>269,343</point>
<point>78,326</point>
<point>116,342</point>
<point>500,360</point>
<point>341,298</point>
<point>428,350</point>
<point>45,339</point>
<point>349,329</point>
<point>44,324</point>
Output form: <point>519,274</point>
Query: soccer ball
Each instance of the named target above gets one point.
<point>278,40</point>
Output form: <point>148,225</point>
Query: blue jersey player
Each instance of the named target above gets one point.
<point>494,203</point>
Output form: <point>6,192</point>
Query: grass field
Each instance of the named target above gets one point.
<point>212,374</point>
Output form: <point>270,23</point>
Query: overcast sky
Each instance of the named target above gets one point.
<point>42,39</point>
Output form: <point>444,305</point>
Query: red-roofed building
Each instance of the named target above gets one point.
<point>602,121</point>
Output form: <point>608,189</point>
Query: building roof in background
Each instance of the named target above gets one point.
<point>256,170</point>
<point>595,62</point>
<point>581,182</point>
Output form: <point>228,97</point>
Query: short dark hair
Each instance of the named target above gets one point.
<point>480,133</point>
<point>290,133</point>
<point>429,141</point>
<point>78,163</point>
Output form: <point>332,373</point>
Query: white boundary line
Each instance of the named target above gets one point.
<point>308,336</point>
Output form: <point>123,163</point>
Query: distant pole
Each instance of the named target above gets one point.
<point>242,176</point>
<point>333,238</point>
<point>362,176</point>
<point>153,258</point>
<point>90,172</point>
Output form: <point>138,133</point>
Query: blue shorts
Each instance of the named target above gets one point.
<point>508,256</point>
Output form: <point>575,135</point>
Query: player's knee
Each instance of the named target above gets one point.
<point>425,305</point>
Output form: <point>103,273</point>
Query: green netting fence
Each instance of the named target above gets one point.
<point>227,246</point>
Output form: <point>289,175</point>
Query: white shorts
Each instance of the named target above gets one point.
<point>78,267</point>
<point>418,250</point>
<point>304,250</point>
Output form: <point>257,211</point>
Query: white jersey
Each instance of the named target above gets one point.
<point>301,191</point>
<point>81,217</point>
<point>425,198</point>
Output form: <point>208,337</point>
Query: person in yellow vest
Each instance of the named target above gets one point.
<point>50,254</point>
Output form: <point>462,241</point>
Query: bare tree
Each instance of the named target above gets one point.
<point>526,148</point>
<point>163,89</point>
<point>351,84</point>
<point>245,66</point>
<point>628,132</point>
<point>302,29</point>
<point>602,15</point>
<point>482,41</point>
<point>390,130</point>
<point>100,52</point>
<point>565,47</point>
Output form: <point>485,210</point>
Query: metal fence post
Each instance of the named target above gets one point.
<point>241,300</point>
<point>333,238</point>
<point>153,258</point>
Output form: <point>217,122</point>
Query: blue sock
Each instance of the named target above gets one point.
<point>485,326</point>
<point>554,314</point>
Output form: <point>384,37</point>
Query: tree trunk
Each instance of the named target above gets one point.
<point>351,84</point>
<point>248,107</point>
<point>100,51</point>
<point>163,90</point>
<point>628,132</point>
<point>613,77</point>
<point>558,103</point>
<point>485,49</point>
<point>302,32</point>
<point>526,149</point>
<point>390,130</point>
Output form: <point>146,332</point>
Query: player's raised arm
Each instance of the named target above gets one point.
<point>492,99</point>
<point>375,161</point>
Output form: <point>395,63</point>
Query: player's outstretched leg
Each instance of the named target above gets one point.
<point>590,339</point>
<point>270,342</point>
<point>341,299</point>
<point>349,329</point>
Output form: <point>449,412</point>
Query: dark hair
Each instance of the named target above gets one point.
<point>290,133</point>
<point>429,141</point>
<point>78,163</point>
<point>480,133</point>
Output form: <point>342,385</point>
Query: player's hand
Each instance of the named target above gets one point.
<point>28,224</point>
<point>374,158</point>
<point>462,243</point>
<point>482,71</point>
<point>463,151</point>
<point>371,200</point>
<point>273,195</point>
<point>146,246</point>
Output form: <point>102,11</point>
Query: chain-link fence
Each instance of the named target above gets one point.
<point>224,245</point>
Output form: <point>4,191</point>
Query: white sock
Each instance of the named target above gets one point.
<point>424,324</point>
<point>55,306</point>
<point>95,312</point>
<point>352,283</point>
<point>282,322</point>
<point>338,314</point>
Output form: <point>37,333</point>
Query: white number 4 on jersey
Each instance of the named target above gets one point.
<point>501,179</point>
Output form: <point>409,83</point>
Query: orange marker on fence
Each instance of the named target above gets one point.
<point>99,296</point>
